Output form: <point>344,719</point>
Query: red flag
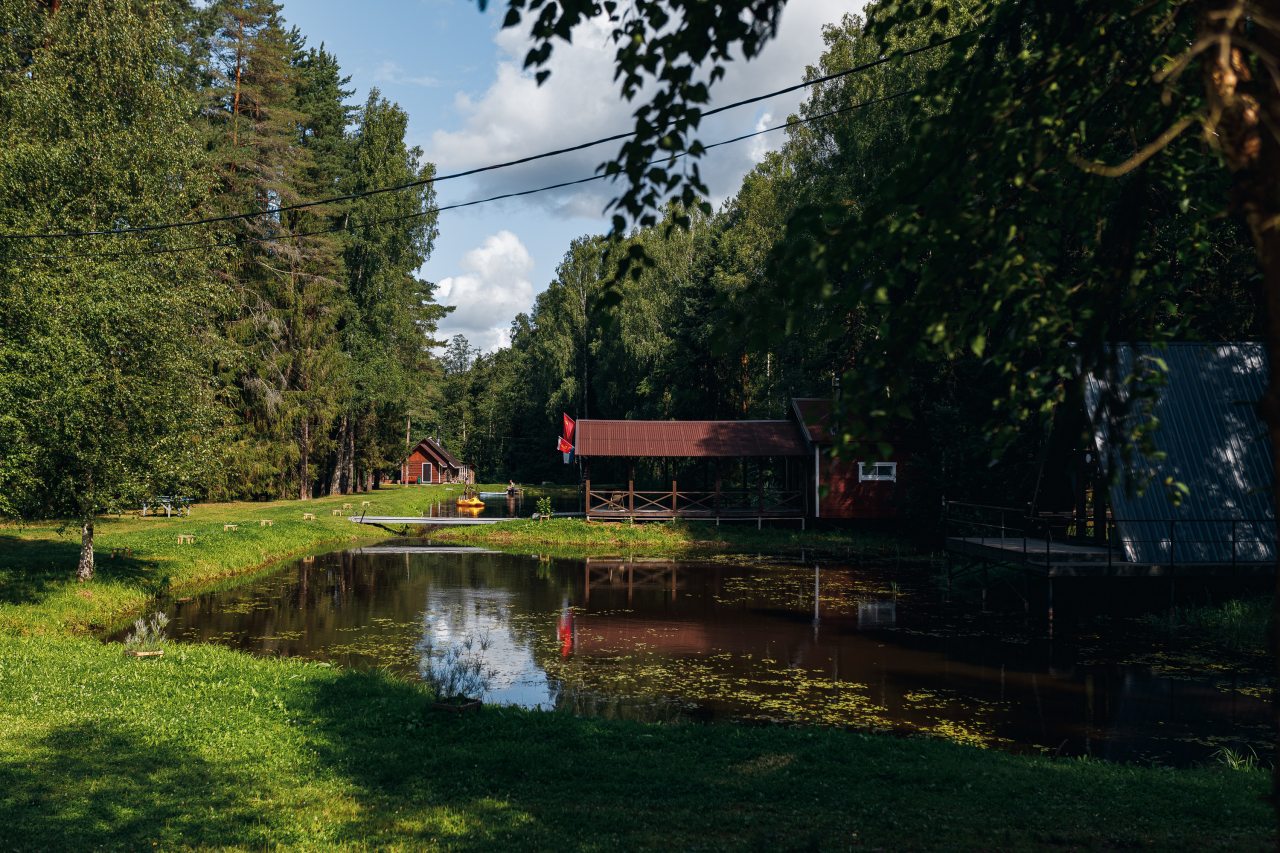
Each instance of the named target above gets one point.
<point>568,427</point>
<point>564,446</point>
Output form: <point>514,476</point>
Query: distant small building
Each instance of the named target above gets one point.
<point>847,487</point>
<point>429,462</point>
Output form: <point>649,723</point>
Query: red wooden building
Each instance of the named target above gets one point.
<point>854,488</point>
<point>784,470</point>
<point>429,462</point>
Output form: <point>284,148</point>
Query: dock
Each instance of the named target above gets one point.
<point>1145,548</point>
<point>424,520</point>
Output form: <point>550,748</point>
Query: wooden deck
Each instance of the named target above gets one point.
<point>1064,559</point>
<point>626,503</point>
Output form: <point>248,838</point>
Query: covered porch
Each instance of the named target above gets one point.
<point>709,470</point>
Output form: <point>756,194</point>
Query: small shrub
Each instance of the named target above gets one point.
<point>1237,760</point>
<point>147,635</point>
<point>544,506</point>
<point>457,672</point>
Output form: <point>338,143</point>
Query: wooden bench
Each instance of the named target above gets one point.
<point>186,539</point>
<point>335,512</point>
<point>308,516</point>
<point>230,527</point>
<point>266,522</point>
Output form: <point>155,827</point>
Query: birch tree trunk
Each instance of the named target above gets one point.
<point>84,570</point>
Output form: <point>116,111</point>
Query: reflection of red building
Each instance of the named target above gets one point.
<point>861,486</point>
<point>565,631</point>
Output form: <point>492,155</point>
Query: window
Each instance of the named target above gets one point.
<point>881,471</point>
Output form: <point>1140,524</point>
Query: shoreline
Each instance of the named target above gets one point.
<point>166,751</point>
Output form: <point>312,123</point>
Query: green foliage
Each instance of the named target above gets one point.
<point>147,634</point>
<point>103,351</point>
<point>544,507</point>
<point>274,362</point>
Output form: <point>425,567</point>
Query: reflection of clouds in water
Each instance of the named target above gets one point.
<point>453,615</point>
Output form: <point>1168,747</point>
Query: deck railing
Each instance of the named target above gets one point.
<point>627,501</point>
<point>1167,542</point>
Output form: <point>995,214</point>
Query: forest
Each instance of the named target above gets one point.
<point>276,348</point>
<point>802,283</point>
<point>282,344</point>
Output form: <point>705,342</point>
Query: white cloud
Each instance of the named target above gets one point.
<point>493,287</point>
<point>515,117</point>
<point>390,73</point>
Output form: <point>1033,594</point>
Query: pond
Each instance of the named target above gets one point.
<point>868,647</point>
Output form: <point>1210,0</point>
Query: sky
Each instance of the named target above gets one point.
<point>459,77</point>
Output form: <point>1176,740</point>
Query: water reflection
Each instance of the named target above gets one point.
<point>656,639</point>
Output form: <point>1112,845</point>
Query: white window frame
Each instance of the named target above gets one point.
<point>427,471</point>
<point>873,472</point>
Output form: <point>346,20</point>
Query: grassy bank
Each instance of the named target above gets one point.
<point>38,592</point>
<point>1240,625</point>
<point>211,748</point>
<point>571,537</point>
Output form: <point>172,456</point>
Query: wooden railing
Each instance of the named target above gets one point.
<point>627,501</point>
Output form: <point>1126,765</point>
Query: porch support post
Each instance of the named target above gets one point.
<point>631,490</point>
<point>673,497</point>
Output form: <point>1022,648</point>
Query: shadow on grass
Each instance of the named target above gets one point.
<point>101,786</point>
<point>31,568</point>
<point>507,779</point>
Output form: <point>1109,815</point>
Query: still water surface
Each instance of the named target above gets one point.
<point>867,647</point>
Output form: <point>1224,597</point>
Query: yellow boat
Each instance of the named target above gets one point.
<point>470,503</point>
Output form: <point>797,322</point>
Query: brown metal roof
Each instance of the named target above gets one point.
<point>689,438</point>
<point>814,414</point>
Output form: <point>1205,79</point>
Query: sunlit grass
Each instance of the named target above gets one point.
<point>571,537</point>
<point>38,592</point>
<point>207,747</point>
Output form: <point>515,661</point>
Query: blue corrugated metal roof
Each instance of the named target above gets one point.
<point>1213,441</point>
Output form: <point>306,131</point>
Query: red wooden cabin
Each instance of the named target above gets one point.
<point>854,487</point>
<point>429,462</point>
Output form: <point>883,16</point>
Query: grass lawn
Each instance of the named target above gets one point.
<point>38,592</point>
<point>210,748</point>
<point>572,537</point>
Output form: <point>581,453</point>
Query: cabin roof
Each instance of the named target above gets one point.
<point>708,439</point>
<point>1213,441</point>
<point>814,417</point>
<point>434,448</point>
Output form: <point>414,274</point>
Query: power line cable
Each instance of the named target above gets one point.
<point>163,250</point>
<point>271,211</point>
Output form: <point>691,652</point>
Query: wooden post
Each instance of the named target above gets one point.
<point>759,489</point>
<point>588,506</point>
<point>759,495</point>
<point>631,491</point>
<point>673,497</point>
